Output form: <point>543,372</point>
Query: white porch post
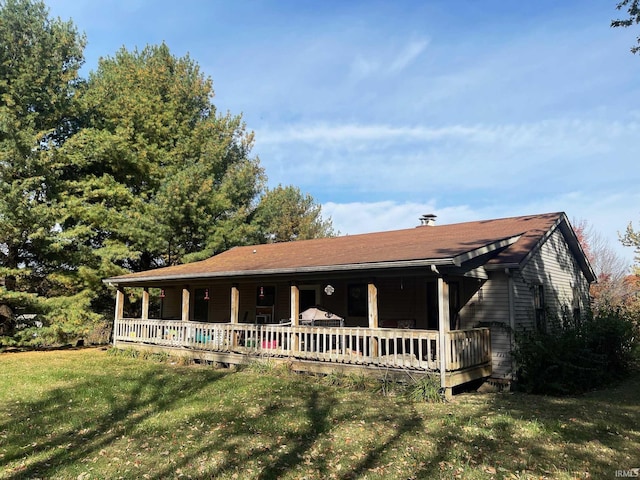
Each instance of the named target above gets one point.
<point>145,303</point>
<point>372,309</point>
<point>185,303</point>
<point>119,303</point>
<point>443,330</point>
<point>295,305</point>
<point>119,312</point>
<point>235,304</point>
<point>295,315</point>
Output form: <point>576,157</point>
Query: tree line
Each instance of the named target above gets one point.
<point>129,169</point>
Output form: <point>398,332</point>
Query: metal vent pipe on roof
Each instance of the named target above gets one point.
<point>428,220</point>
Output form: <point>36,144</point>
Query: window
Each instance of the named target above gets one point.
<point>357,301</point>
<point>265,296</point>
<point>309,296</point>
<point>577,316</point>
<point>538,303</point>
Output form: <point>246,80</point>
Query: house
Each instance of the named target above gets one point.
<point>434,298</point>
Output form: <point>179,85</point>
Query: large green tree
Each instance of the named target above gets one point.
<point>285,214</point>
<point>155,176</point>
<point>39,63</point>
<point>128,170</point>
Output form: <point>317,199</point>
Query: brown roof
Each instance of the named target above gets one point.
<point>438,245</point>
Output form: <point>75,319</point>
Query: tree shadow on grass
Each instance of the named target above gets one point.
<point>43,430</point>
<point>318,404</point>
<point>295,448</point>
<point>208,433</point>
<point>596,433</point>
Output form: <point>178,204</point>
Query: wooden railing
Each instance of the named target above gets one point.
<point>468,348</point>
<point>397,348</point>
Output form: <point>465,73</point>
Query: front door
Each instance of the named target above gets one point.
<point>201,305</point>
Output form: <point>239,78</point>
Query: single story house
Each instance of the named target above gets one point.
<point>434,298</point>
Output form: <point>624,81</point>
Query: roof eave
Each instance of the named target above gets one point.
<point>490,247</point>
<point>117,281</point>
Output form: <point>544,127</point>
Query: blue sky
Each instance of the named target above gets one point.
<point>383,111</point>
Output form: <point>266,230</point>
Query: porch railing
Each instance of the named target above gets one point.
<point>397,348</point>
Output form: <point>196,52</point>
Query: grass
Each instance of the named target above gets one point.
<point>82,414</point>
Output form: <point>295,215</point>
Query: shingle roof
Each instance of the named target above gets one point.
<point>437,244</point>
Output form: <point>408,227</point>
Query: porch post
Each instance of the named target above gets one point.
<point>145,303</point>
<point>235,303</point>
<point>443,330</point>
<point>185,303</point>
<point>295,305</point>
<point>119,312</point>
<point>372,308</point>
<point>295,315</point>
<point>119,303</point>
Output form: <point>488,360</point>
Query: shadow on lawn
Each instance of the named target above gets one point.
<point>597,433</point>
<point>320,410</point>
<point>501,433</point>
<point>43,431</point>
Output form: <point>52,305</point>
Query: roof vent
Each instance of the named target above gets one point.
<point>428,220</point>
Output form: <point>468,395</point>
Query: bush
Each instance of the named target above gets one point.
<point>576,358</point>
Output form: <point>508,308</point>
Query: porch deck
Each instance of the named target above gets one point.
<point>468,352</point>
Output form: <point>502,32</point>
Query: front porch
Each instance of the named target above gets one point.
<point>467,353</point>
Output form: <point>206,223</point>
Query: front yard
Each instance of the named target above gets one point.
<point>85,414</point>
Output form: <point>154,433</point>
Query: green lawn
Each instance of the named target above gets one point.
<point>83,414</point>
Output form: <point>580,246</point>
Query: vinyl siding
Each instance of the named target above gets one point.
<point>565,287</point>
<point>489,306</point>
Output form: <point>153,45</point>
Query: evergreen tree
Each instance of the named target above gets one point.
<point>155,176</point>
<point>39,63</point>
<point>285,214</point>
<point>128,170</point>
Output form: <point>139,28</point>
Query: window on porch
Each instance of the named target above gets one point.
<point>357,300</point>
<point>265,302</point>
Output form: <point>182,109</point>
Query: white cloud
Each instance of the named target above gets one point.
<point>386,62</point>
<point>549,133</point>
<point>530,158</point>
<point>408,55</point>
<point>347,133</point>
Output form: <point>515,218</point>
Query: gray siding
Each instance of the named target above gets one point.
<point>565,287</point>
<point>489,306</point>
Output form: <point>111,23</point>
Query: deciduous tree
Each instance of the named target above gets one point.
<point>633,11</point>
<point>612,288</point>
